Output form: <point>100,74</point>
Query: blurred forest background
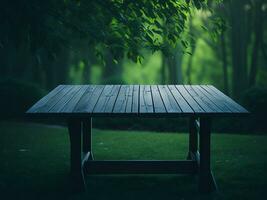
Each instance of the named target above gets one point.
<point>223,43</point>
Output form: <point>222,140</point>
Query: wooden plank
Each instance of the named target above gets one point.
<point>87,137</point>
<point>157,100</point>
<point>146,103</point>
<point>168,99</point>
<point>85,157</point>
<point>185,107</point>
<point>193,138</point>
<point>140,167</point>
<point>230,102</point>
<point>70,105</point>
<point>43,101</point>
<point>53,101</point>
<point>76,172</point>
<point>189,99</point>
<point>202,103</point>
<point>111,102</point>
<point>206,181</point>
<point>121,102</point>
<point>63,101</point>
<point>136,99</point>
<point>195,156</point>
<point>215,99</point>
<point>107,99</point>
<point>205,99</point>
<point>129,101</point>
<point>87,102</point>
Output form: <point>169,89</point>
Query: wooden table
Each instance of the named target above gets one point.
<point>78,104</point>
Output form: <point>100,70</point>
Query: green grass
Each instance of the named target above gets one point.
<point>35,163</point>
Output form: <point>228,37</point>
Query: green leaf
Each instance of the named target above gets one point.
<point>149,38</point>
<point>157,31</point>
<point>158,24</point>
<point>184,43</point>
<point>197,3</point>
<point>204,28</point>
<point>172,38</point>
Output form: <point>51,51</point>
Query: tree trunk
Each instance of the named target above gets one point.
<point>86,71</point>
<point>163,70</point>
<point>175,66</point>
<point>49,71</point>
<point>61,66</point>
<point>258,32</point>
<point>193,48</point>
<point>112,72</point>
<point>178,61</point>
<point>37,71</point>
<point>173,75</point>
<point>224,61</point>
<point>239,46</point>
<point>264,52</point>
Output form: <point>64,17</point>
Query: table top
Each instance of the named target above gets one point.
<point>135,100</point>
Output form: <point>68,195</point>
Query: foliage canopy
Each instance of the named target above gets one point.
<point>122,26</point>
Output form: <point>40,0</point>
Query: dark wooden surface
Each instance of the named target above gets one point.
<point>140,167</point>
<point>136,100</point>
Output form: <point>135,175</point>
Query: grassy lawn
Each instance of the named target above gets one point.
<point>35,163</point>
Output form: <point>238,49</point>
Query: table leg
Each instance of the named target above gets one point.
<point>87,138</point>
<point>76,172</point>
<point>193,140</point>
<point>206,179</point>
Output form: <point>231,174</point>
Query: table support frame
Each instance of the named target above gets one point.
<point>198,162</point>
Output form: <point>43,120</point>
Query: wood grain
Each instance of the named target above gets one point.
<point>143,100</point>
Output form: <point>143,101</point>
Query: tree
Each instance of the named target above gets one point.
<point>258,21</point>
<point>35,32</point>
